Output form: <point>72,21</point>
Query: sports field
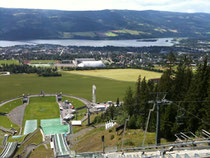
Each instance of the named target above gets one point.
<point>77,85</point>
<point>43,61</point>
<point>9,62</point>
<point>120,74</point>
<point>41,108</point>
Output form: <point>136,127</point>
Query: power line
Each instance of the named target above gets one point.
<point>191,113</point>
<point>206,101</point>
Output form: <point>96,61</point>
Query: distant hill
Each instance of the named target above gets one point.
<point>21,24</point>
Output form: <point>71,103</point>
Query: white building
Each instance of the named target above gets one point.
<point>91,64</point>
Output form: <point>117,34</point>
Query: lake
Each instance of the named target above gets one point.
<point>95,43</point>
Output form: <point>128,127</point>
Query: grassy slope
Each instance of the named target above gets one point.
<point>91,141</point>
<point>41,152</point>
<point>76,103</point>
<point>36,139</point>
<point>11,105</point>
<point>120,74</point>
<point>76,85</point>
<point>6,123</point>
<point>80,114</point>
<point>41,108</point>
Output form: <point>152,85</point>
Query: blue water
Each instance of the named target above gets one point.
<point>94,43</point>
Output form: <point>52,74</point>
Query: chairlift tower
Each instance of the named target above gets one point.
<point>157,102</point>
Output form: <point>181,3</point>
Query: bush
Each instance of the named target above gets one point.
<point>128,142</point>
<point>112,137</point>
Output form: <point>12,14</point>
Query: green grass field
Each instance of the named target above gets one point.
<point>120,74</point>
<point>6,123</point>
<point>111,34</point>
<point>77,85</point>
<point>43,61</point>
<point>7,108</point>
<point>41,108</point>
<point>9,62</point>
<point>76,103</point>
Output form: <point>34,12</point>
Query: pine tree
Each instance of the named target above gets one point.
<point>198,92</point>
<point>137,105</point>
<point>129,102</point>
<point>182,80</point>
<point>144,102</point>
<point>166,83</point>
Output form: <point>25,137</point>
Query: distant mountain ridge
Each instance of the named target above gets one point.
<point>22,24</point>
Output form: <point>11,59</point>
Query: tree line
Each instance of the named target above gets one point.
<point>187,89</point>
<point>24,68</point>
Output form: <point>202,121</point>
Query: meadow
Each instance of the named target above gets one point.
<point>8,107</point>
<point>78,85</point>
<point>9,62</point>
<point>41,108</point>
<point>120,74</point>
<point>43,61</point>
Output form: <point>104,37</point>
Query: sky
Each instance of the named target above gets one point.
<point>190,6</point>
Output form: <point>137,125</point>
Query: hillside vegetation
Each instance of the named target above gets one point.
<point>91,141</point>
<point>17,24</point>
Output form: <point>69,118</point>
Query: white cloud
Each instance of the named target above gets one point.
<point>166,5</point>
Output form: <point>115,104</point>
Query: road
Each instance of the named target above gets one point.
<point>85,101</point>
<point>17,114</point>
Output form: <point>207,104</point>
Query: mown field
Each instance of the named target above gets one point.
<point>7,108</point>
<point>9,62</point>
<point>76,103</point>
<point>6,123</point>
<point>120,74</point>
<point>43,61</point>
<point>77,85</point>
<point>41,108</point>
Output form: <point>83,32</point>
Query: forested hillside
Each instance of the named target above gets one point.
<point>17,24</point>
<point>187,91</point>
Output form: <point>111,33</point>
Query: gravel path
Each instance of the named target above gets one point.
<point>17,114</point>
